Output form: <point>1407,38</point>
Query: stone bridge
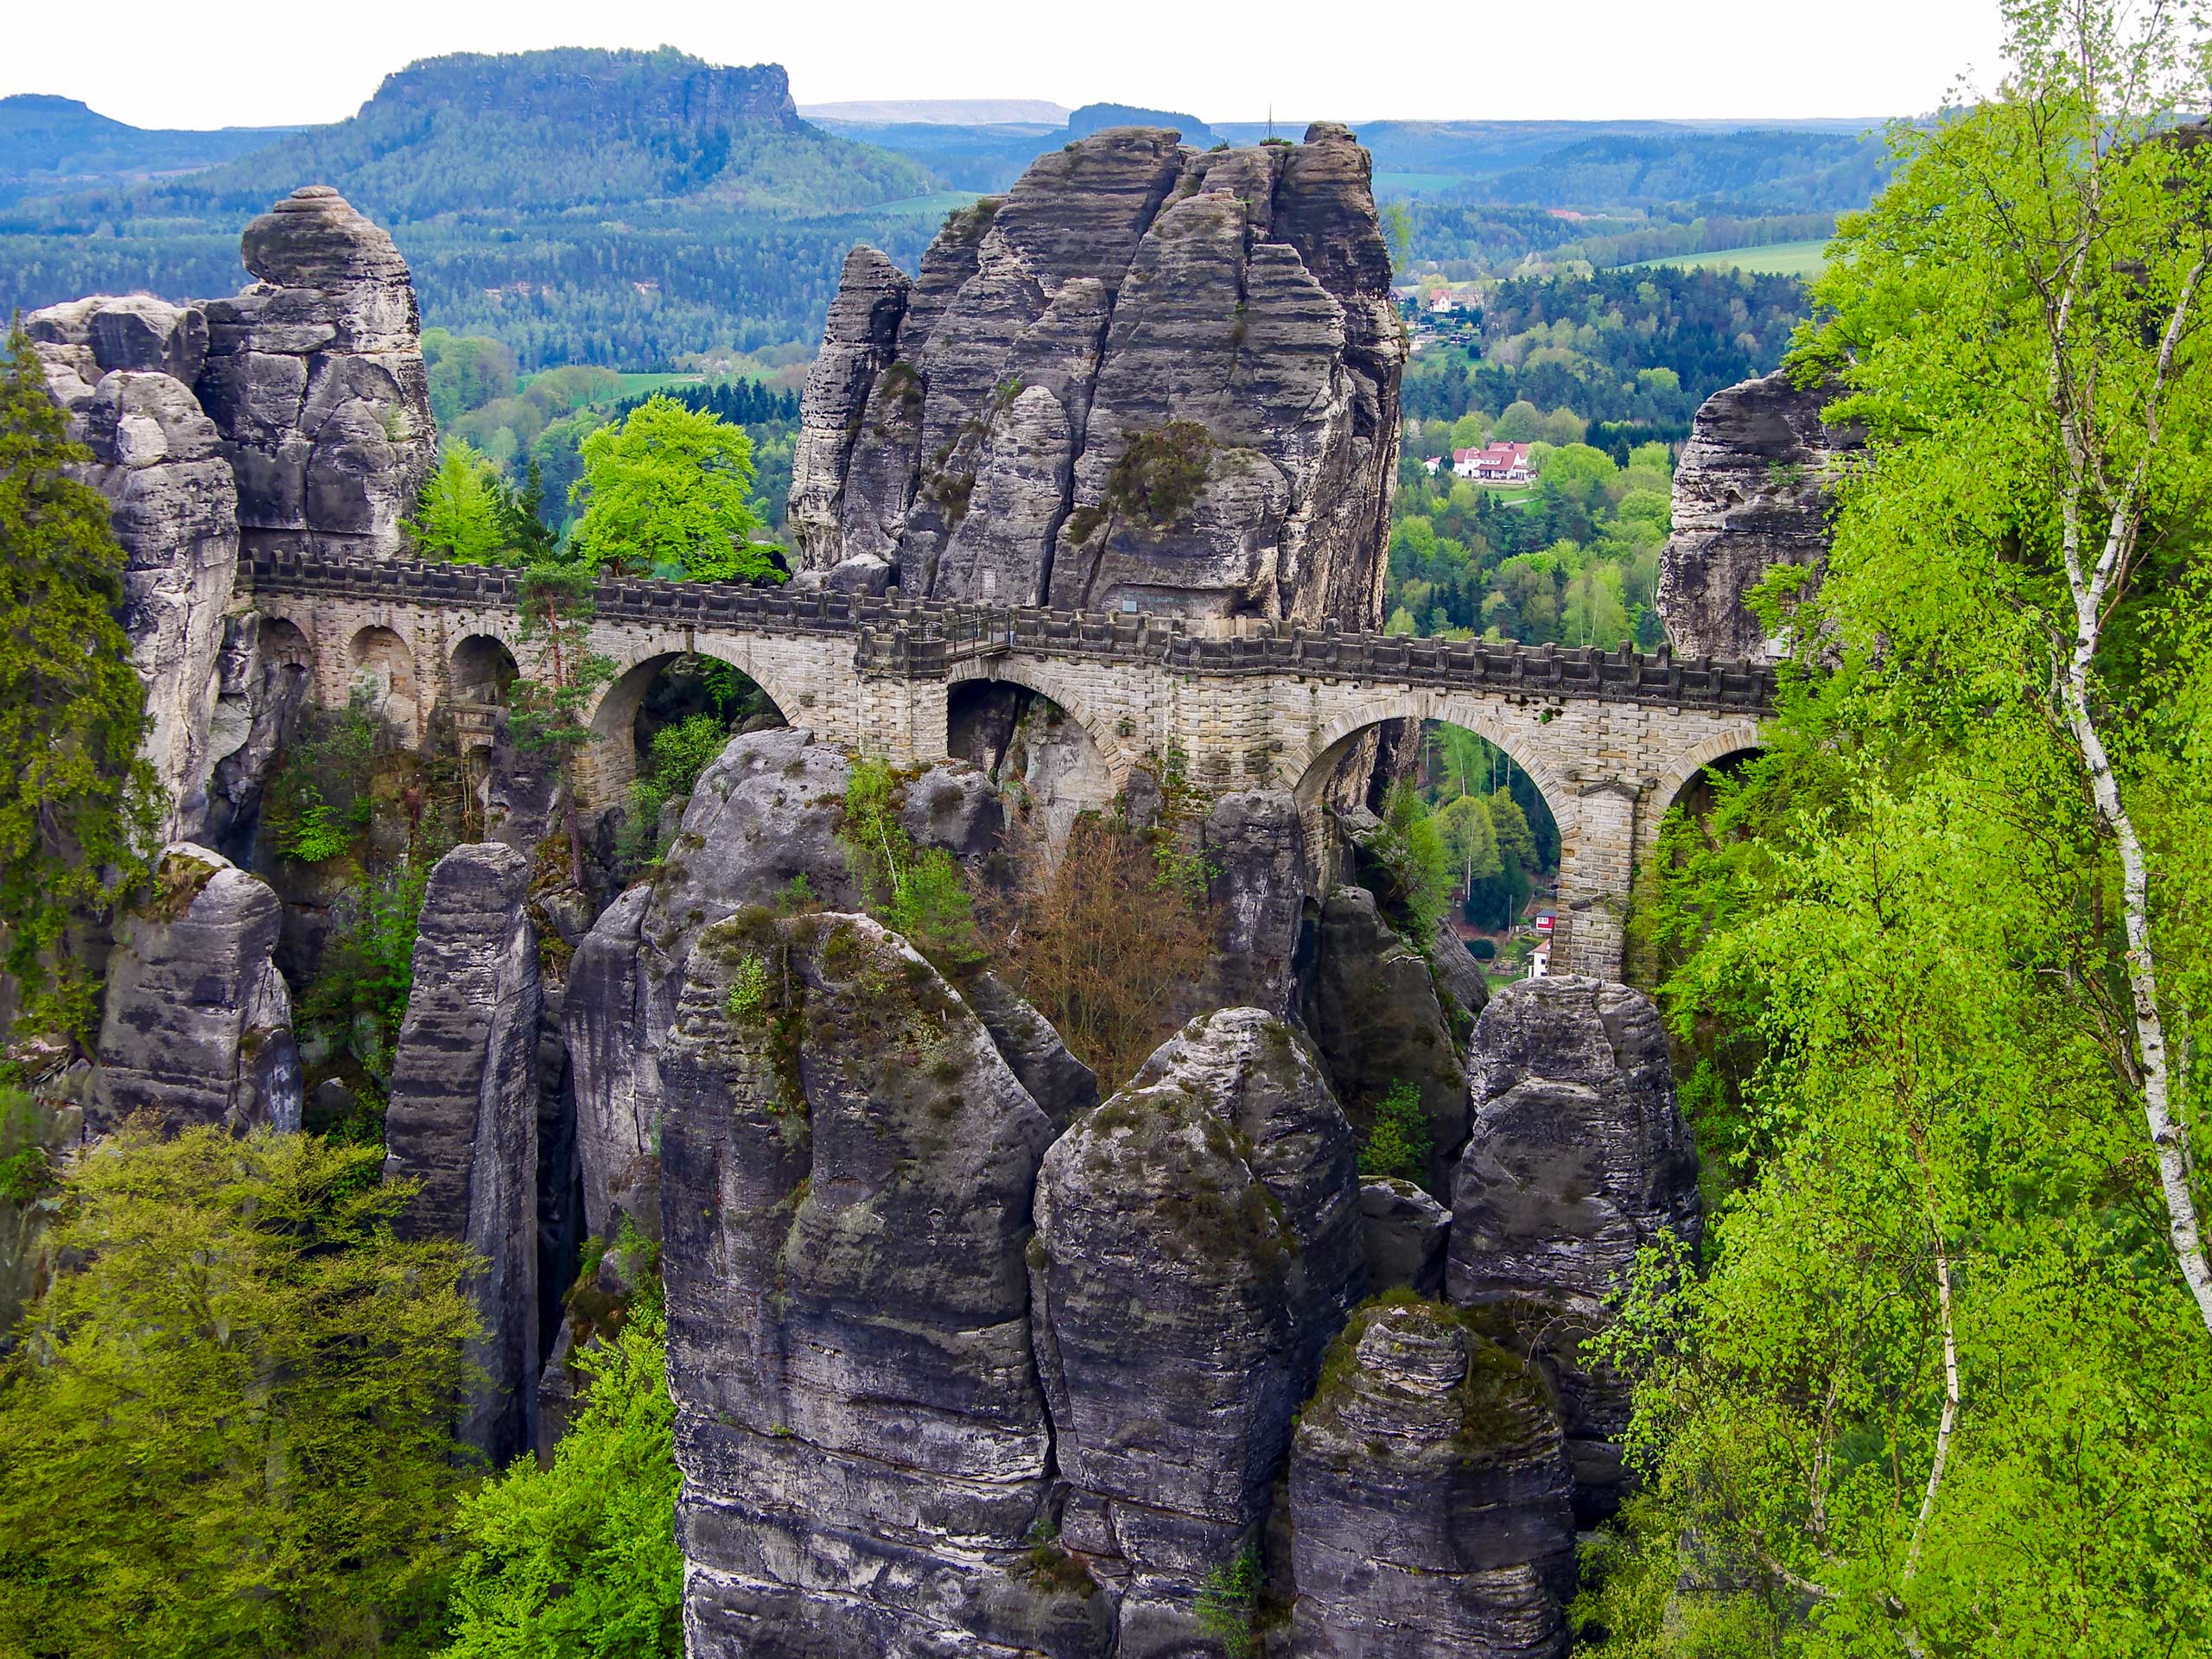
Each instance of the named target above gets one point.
<point>1610,738</point>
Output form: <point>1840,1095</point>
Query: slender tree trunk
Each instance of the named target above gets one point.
<point>2166,1132</point>
<point>2093,588</point>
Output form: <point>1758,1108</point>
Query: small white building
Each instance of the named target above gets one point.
<point>1496,463</point>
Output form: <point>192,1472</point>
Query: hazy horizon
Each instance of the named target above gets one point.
<point>1728,60</point>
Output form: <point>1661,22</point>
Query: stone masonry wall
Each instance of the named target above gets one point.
<point>1610,740</point>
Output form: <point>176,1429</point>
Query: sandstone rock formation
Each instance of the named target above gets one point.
<point>1403,1232</point>
<point>1143,375</point>
<point>1254,842</point>
<point>1197,1243</point>
<point>1374,1014</point>
<point>159,462</point>
<point>1428,1497</point>
<point>197,1025</point>
<point>848,1165</point>
<point>315,375</point>
<point>1750,493</point>
<point>294,415</point>
<point>462,1118</point>
<point>264,682</point>
<point>764,815</point>
<point>1576,1158</point>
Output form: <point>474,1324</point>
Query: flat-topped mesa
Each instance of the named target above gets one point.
<point>315,375</point>
<point>1750,493</point>
<point>1145,378</point>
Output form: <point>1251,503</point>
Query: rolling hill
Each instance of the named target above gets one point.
<point>613,207</point>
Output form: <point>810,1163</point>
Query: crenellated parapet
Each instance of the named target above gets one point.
<point>927,637</point>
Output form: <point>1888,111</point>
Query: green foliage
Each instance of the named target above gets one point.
<point>1908,913</point>
<point>1160,474</point>
<point>78,806</point>
<point>466,372</point>
<point>920,892</point>
<point>668,493</point>
<point>1414,870</point>
<point>316,807</point>
<point>1228,1603</point>
<point>679,753</point>
<point>580,1560</point>
<point>457,515</point>
<point>747,1001</point>
<point>1400,1142</point>
<point>358,998</point>
<point>559,681</point>
<point>228,1429</point>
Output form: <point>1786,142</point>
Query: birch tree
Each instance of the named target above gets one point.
<point>1945,1384</point>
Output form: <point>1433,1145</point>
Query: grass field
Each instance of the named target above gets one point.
<point>1780,259</point>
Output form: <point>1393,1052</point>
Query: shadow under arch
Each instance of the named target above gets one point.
<point>383,664</point>
<point>1015,731</point>
<point>480,673</point>
<point>623,720</point>
<point>1693,773</point>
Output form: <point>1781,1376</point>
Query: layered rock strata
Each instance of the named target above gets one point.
<point>847,1169</point>
<point>1576,1158</point>
<point>315,375</point>
<point>1751,492</point>
<point>1143,376</point>
<point>463,1116</point>
<point>1197,1243</point>
<point>197,1023</point>
<point>294,414</point>
<point>1429,1497</point>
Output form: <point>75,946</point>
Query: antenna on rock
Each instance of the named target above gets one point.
<point>1271,121</point>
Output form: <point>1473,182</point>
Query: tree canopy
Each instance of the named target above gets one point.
<point>1945,1385</point>
<point>78,806</point>
<point>669,492</point>
<point>227,1427</point>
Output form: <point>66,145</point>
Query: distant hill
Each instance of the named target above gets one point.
<point>549,131</point>
<point>1095,118</point>
<point>597,207</point>
<point>49,143</point>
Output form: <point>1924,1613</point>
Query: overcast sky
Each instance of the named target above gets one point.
<point>170,65</point>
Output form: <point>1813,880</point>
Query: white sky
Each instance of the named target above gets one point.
<point>167,64</point>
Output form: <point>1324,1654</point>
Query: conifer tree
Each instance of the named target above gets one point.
<point>77,803</point>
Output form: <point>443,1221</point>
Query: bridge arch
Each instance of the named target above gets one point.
<point>1063,779</point>
<point>1741,738</point>
<point>612,761</point>
<point>1335,741</point>
<point>380,661</point>
<point>1063,690</point>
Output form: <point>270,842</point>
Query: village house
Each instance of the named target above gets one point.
<point>1499,463</point>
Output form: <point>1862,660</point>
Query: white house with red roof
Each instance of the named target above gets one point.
<point>1497,463</point>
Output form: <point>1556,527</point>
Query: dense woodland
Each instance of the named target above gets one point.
<point>637,211</point>
<point>1600,375</point>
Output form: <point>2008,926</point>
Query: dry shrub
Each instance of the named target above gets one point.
<point>1105,942</point>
